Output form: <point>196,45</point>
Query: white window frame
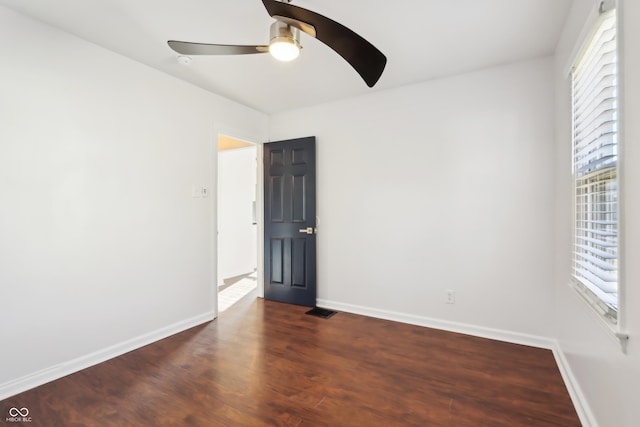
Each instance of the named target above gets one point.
<point>612,318</point>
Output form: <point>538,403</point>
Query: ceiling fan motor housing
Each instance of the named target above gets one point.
<point>283,32</point>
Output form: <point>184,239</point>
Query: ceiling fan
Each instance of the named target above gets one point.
<point>284,42</point>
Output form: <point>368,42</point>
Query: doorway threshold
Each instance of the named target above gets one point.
<point>236,291</point>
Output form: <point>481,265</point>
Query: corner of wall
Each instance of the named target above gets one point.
<point>35,379</point>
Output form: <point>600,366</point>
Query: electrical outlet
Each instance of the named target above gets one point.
<point>450,296</point>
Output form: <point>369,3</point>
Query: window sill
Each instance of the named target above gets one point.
<point>611,325</point>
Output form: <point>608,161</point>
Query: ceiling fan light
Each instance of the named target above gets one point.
<point>284,44</point>
<point>284,49</point>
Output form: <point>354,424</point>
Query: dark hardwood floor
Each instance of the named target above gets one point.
<point>268,364</point>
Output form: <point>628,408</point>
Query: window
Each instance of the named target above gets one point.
<point>595,168</point>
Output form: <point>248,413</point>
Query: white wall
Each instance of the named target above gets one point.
<point>102,246</point>
<point>446,184</point>
<point>237,234</point>
<point>607,379</point>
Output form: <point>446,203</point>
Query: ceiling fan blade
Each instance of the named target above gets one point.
<point>188,48</point>
<point>364,57</point>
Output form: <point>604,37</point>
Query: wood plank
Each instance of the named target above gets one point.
<point>264,363</point>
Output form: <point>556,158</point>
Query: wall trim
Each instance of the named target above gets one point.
<point>445,325</point>
<point>29,381</point>
<point>573,387</point>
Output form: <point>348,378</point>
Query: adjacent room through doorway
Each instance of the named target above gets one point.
<point>237,220</point>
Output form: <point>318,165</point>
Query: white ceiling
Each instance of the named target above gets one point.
<point>422,39</point>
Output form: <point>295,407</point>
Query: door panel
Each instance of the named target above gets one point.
<point>277,199</point>
<point>277,261</point>
<point>298,254</point>
<point>298,214</point>
<point>290,212</point>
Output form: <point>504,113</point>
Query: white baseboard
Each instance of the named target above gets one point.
<point>462,328</point>
<point>575,392</point>
<point>13,387</point>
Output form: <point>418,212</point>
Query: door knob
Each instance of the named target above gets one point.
<point>308,230</point>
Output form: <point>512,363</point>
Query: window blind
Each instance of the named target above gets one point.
<point>595,160</point>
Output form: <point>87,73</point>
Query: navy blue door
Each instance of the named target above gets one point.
<point>290,221</point>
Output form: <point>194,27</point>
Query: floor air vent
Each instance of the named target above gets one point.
<point>321,312</point>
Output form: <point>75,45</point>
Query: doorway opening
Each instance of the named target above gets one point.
<point>237,221</point>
